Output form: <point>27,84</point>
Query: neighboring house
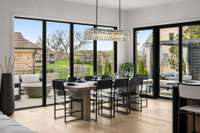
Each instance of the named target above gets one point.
<point>28,55</point>
<point>25,53</point>
<point>84,55</point>
<point>87,55</point>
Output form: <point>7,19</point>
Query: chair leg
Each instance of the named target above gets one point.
<point>65,119</point>
<point>81,109</point>
<point>111,107</point>
<point>96,110</point>
<point>129,104</point>
<point>146,98</point>
<point>54,110</point>
<point>194,123</point>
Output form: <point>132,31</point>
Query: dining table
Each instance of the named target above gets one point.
<point>83,91</point>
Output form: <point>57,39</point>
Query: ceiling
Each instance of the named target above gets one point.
<point>126,4</point>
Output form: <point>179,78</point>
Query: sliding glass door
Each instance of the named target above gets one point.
<point>83,52</point>
<point>144,57</point>
<point>105,56</point>
<point>191,53</point>
<point>57,54</point>
<point>28,62</point>
<point>169,60</point>
<point>46,50</point>
<point>175,55</point>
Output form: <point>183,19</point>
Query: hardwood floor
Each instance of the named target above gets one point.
<point>157,118</point>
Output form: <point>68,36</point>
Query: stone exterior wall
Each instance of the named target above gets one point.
<point>23,61</point>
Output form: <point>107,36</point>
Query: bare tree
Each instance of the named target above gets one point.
<point>59,41</point>
<point>80,41</point>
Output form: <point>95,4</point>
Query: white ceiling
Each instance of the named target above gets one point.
<point>126,4</point>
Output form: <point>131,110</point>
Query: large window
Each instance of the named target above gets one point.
<point>83,52</point>
<point>57,54</point>
<point>175,55</point>
<point>105,57</point>
<point>191,50</point>
<point>144,54</point>
<point>169,60</point>
<point>28,61</point>
<point>46,50</point>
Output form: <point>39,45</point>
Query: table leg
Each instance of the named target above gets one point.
<point>85,95</point>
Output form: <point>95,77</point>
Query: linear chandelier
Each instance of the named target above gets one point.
<point>107,34</point>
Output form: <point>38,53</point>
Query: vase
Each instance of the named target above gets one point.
<point>7,103</point>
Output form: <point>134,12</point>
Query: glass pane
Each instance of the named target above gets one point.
<point>144,57</point>
<point>58,46</point>
<point>191,50</point>
<point>169,60</point>
<point>28,62</point>
<point>83,52</point>
<point>105,57</point>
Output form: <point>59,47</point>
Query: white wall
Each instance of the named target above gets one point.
<point>165,14</point>
<point>55,10</point>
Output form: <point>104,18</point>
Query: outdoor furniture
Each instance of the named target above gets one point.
<point>17,87</point>
<point>82,90</point>
<point>34,90</point>
<point>64,100</point>
<point>191,92</point>
<point>30,78</point>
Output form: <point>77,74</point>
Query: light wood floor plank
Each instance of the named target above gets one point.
<point>157,118</point>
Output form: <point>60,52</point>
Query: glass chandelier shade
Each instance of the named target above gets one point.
<point>106,34</point>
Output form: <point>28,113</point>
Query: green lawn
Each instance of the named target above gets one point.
<point>60,67</point>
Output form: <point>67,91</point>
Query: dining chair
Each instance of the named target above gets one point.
<point>62,97</point>
<point>122,97</point>
<point>190,92</point>
<point>144,91</point>
<point>135,88</point>
<point>106,99</point>
<point>88,78</point>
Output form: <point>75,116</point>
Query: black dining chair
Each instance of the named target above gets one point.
<point>62,97</point>
<point>135,100</point>
<point>144,91</point>
<point>106,98</point>
<point>106,77</point>
<point>88,78</point>
<point>122,95</point>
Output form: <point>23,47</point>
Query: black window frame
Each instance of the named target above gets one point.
<point>71,37</point>
<point>156,51</point>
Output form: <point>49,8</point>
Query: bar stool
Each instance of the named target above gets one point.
<point>190,92</point>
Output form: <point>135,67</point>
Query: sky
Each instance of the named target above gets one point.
<point>32,30</point>
<point>142,36</point>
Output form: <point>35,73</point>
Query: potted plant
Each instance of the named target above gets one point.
<point>127,69</point>
<point>7,104</point>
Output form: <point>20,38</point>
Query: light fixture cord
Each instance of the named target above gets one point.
<point>97,6</point>
<point>119,14</point>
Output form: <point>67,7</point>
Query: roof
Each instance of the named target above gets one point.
<point>22,43</point>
